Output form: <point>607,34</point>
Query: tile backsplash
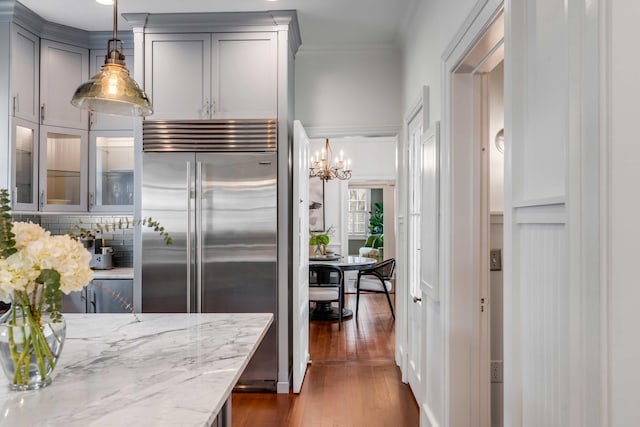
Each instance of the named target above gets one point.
<point>120,240</point>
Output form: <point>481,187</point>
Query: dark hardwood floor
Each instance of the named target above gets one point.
<point>352,380</point>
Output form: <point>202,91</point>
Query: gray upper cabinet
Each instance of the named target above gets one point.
<point>63,169</point>
<point>178,75</point>
<point>207,76</point>
<point>245,75</point>
<point>62,69</point>
<point>25,74</point>
<point>24,165</point>
<point>107,121</point>
<point>111,171</point>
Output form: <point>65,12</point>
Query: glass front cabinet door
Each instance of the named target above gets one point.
<point>63,169</point>
<point>111,175</point>
<point>24,167</point>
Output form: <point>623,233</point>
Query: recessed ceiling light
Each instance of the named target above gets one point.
<point>105,2</point>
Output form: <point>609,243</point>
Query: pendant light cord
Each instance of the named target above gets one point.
<point>115,22</point>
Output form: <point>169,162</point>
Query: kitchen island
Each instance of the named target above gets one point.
<point>149,370</point>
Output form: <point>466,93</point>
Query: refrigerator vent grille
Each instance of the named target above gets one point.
<point>250,135</point>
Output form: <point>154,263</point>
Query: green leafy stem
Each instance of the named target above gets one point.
<point>80,231</point>
<point>30,344</point>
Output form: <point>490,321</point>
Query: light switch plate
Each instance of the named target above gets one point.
<point>496,371</point>
<point>495,259</point>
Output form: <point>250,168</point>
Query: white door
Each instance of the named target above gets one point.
<point>414,259</point>
<point>300,255</point>
<point>178,75</point>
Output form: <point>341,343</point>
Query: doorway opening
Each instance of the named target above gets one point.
<point>348,206</point>
<point>474,189</point>
<point>369,334</point>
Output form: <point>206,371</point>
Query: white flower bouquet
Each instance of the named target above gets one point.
<point>35,269</point>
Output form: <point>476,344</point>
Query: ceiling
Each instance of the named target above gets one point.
<point>322,22</point>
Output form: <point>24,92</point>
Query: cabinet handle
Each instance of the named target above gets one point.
<point>92,119</point>
<point>42,199</point>
<point>91,199</point>
<point>93,301</point>
<point>417,299</point>
<point>15,105</point>
<point>42,113</point>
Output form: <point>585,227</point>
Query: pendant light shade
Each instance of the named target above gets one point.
<point>112,90</point>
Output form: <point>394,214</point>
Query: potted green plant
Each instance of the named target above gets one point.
<point>318,242</point>
<point>375,239</point>
<point>376,219</point>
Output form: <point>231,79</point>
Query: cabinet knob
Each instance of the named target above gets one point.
<point>417,299</point>
<point>42,199</point>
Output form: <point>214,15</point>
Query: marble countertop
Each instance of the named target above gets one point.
<point>166,369</point>
<point>114,273</point>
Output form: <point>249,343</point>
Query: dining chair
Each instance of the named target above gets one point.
<point>376,278</point>
<point>325,287</point>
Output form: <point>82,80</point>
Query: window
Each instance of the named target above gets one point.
<point>359,207</point>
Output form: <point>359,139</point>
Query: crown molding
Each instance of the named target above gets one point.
<point>290,19</point>
<point>98,39</point>
<point>348,47</point>
<point>64,34</point>
<point>352,131</point>
<point>136,20</point>
<point>212,21</point>
<point>16,12</point>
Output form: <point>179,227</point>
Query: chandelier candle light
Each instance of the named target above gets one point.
<point>320,165</point>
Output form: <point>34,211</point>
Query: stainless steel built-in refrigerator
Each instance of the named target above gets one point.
<point>219,205</point>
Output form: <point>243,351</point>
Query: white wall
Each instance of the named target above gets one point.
<point>624,211</point>
<point>496,122</point>
<point>432,27</point>
<point>348,88</point>
<point>552,298</point>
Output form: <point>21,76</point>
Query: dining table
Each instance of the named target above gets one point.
<point>344,263</point>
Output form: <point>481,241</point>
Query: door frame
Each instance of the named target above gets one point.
<point>462,246</point>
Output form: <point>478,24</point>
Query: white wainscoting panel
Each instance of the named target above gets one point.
<point>544,318</point>
<point>432,374</point>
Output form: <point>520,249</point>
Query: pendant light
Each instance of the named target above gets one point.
<point>112,90</point>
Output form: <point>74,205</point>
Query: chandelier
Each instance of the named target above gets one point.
<point>320,165</point>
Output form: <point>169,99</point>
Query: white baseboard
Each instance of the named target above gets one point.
<point>282,387</point>
<point>427,419</point>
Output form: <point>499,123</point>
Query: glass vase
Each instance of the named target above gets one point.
<point>29,347</point>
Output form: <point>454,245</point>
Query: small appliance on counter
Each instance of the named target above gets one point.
<point>102,256</point>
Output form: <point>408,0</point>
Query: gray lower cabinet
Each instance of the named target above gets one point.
<point>101,296</point>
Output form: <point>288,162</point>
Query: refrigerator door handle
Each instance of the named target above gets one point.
<point>189,229</point>
<point>199,265</point>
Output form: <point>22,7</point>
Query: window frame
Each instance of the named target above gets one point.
<point>366,211</point>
